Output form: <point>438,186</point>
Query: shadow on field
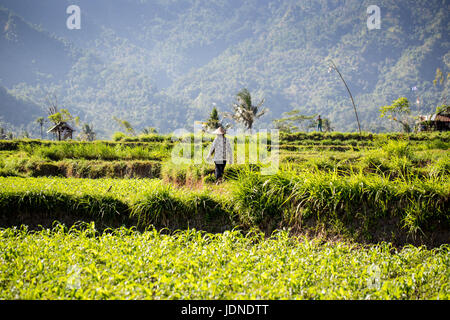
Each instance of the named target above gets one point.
<point>383,230</point>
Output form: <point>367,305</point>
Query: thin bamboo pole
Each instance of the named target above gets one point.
<point>348,90</point>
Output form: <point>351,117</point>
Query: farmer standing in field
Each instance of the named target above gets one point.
<point>222,152</point>
<point>319,123</point>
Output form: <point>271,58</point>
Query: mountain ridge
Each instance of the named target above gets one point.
<point>164,64</point>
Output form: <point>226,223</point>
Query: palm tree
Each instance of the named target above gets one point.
<point>244,111</point>
<point>126,125</point>
<point>2,133</point>
<point>87,132</point>
<point>149,130</point>
<point>41,122</point>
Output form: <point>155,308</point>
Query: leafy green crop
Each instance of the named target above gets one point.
<point>80,263</point>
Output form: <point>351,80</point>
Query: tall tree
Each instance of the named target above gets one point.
<point>149,130</point>
<point>398,111</point>
<point>442,81</point>
<point>87,132</point>
<point>55,115</point>
<point>63,115</point>
<point>40,121</point>
<point>52,104</point>
<point>292,121</point>
<point>213,122</point>
<point>244,111</point>
<point>2,133</point>
<point>444,109</point>
<point>125,125</point>
<point>327,125</point>
<point>25,134</point>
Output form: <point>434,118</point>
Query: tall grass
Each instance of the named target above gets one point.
<point>111,202</point>
<point>288,198</point>
<point>96,151</point>
<point>185,174</point>
<point>78,168</point>
<point>178,209</point>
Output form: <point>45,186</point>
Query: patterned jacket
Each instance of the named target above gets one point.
<point>222,150</point>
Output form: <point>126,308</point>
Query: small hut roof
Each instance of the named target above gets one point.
<point>442,118</point>
<point>64,125</point>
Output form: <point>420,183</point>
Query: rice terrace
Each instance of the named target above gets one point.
<point>339,206</point>
<point>317,195</point>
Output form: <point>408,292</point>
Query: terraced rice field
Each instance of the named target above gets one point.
<point>345,217</point>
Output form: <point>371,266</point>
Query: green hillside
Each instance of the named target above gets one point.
<point>15,110</point>
<point>163,64</point>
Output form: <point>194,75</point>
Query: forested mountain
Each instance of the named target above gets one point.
<point>163,63</point>
<point>17,111</point>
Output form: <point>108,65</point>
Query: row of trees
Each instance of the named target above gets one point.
<point>400,109</point>
<point>400,112</point>
<point>245,114</point>
<point>57,116</point>
<point>6,135</point>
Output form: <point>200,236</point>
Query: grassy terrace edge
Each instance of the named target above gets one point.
<point>284,138</point>
<point>357,208</point>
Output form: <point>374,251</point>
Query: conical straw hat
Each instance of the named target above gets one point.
<point>220,130</point>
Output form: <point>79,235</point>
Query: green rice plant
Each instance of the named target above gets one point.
<point>174,173</point>
<point>401,166</point>
<point>185,173</point>
<point>395,159</point>
<point>130,139</point>
<point>6,171</point>
<point>439,144</point>
<point>16,166</point>
<point>328,196</point>
<point>110,202</point>
<point>157,207</point>
<point>104,209</point>
<point>440,168</point>
<point>166,207</point>
<point>152,137</point>
<point>398,149</point>
<point>210,178</point>
<point>211,212</point>
<point>36,167</point>
<point>257,198</point>
<point>318,164</point>
<point>352,142</point>
<point>328,186</point>
<point>96,151</point>
<point>337,136</point>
